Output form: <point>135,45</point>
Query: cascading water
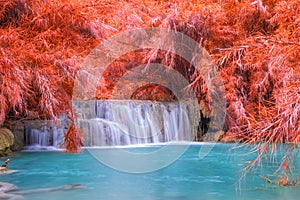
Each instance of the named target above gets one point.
<point>115,122</point>
<point>43,135</point>
<point>121,122</point>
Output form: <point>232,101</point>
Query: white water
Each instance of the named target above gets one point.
<point>119,123</point>
<point>45,136</point>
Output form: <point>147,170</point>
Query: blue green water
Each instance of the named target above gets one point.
<point>216,177</point>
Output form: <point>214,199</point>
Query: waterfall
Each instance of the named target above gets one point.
<point>121,122</point>
<point>43,135</point>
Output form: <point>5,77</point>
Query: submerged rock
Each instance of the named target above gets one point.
<point>8,171</point>
<point>10,191</point>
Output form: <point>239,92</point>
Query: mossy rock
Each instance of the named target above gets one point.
<point>6,141</point>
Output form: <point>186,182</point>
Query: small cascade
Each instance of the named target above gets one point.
<point>43,135</point>
<point>115,122</point>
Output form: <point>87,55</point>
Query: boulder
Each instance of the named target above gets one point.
<point>6,141</point>
<point>213,136</point>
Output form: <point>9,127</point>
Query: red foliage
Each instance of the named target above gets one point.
<point>73,139</point>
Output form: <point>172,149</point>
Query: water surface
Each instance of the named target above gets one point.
<point>213,178</point>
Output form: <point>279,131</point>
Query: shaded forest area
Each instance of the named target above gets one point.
<point>255,45</point>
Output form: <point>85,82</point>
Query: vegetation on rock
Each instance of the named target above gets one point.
<point>6,141</point>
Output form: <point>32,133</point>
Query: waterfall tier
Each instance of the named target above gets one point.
<point>121,122</point>
<point>115,122</point>
<point>44,134</point>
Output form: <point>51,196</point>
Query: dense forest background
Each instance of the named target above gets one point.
<point>255,45</point>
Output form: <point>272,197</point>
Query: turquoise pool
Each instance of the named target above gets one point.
<point>213,178</point>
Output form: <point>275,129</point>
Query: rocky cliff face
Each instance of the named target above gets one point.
<point>6,141</point>
<point>18,130</point>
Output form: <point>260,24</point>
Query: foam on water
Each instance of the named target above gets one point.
<point>37,148</point>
